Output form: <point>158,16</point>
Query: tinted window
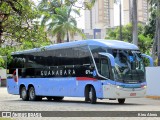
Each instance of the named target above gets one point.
<point>95,50</point>
<point>59,57</point>
<point>18,61</point>
<point>104,67</point>
<point>82,56</point>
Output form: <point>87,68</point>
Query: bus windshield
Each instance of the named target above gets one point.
<point>129,67</point>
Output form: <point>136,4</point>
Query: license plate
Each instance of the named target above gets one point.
<point>132,94</point>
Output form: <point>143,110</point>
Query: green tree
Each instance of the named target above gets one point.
<point>156,43</point>
<point>2,62</point>
<point>126,32</point>
<point>144,42</point>
<point>50,5</point>
<point>64,24</point>
<point>18,21</point>
<point>58,19</point>
<point>6,51</point>
<point>150,27</point>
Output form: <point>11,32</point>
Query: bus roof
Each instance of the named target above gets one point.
<point>112,44</point>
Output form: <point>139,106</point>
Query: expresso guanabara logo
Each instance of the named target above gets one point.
<point>57,72</point>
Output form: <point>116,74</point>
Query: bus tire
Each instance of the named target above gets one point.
<point>86,94</point>
<point>92,95</point>
<point>121,101</point>
<point>49,98</point>
<point>39,98</point>
<point>32,94</point>
<point>58,98</point>
<point>24,94</point>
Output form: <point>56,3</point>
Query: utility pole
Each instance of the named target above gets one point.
<point>134,22</point>
<point>120,21</point>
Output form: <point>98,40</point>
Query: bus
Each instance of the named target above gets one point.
<point>93,69</point>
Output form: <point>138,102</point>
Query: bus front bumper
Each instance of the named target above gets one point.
<point>114,91</point>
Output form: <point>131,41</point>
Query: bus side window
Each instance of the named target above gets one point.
<point>85,56</point>
<point>18,62</point>
<point>76,59</point>
<point>104,71</point>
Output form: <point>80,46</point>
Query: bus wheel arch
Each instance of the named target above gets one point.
<point>121,101</point>
<point>31,93</point>
<point>90,94</point>
<point>23,92</point>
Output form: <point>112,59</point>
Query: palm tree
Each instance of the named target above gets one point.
<point>58,18</point>
<point>47,9</point>
<point>63,24</point>
<point>156,43</point>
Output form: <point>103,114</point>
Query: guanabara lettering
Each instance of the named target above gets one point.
<point>57,72</point>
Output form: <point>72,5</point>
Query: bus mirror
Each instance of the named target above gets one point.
<point>110,57</point>
<point>148,57</point>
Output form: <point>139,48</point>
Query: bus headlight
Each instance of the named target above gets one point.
<point>119,87</point>
<point>143,86</point>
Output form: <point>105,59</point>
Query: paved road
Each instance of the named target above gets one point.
<point>14,103</point>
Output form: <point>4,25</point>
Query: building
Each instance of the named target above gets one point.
<point>101,15</point>
<point>142,11</point>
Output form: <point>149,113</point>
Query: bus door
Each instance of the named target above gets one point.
<point>106,66</point>
<point>106,72</point>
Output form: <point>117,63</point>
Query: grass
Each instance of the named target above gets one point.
<point>6,118</point>
<point>153,97</point>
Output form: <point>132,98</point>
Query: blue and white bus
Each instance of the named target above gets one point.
<point>93,69</point>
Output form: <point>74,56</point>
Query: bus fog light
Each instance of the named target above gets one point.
<point>145,87</point>
<point>119,87</point>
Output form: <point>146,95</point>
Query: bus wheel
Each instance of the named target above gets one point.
<point>32,94</point>
<point>24,94</point>
<point>87,94</point>
<point>58,98</point>
<point>92,95</point>
<point>39,98</point>
<point>121,101</point>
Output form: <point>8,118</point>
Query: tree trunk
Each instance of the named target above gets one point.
<point>67,36</point>
<point>59,40</point>
<point>134,22</point>
<point>130,11</point>
<point>154,47</point>
<point>158,32</point>
<point>1,31</point>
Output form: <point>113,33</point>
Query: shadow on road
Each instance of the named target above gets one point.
<point>113,102</point>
